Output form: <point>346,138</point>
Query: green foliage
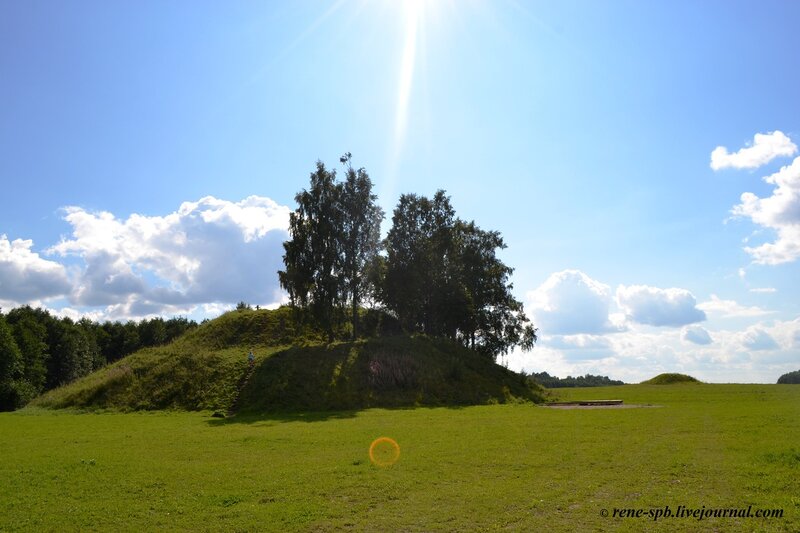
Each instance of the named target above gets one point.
<point>443,278</point>
<point>419,247</point>
<point>378,323</point>
<point>493,321</point>
<point>73,352</point>
<point>335,238</point>
<point>552,382</point>
<point>31,336</point>
<point>790,378</point>
<point>312,256</point>
<point>360,228</point>
<point>153,332</point>
<point>440,276</point>
<point>668,379</point>
<point>11,368</point>
<point>476,468</point>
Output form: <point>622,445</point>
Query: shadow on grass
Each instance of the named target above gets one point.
<point>316,416</point>
<point>256,418</point>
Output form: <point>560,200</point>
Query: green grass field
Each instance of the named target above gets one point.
<point>499,467</point>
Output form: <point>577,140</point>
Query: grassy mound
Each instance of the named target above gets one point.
<point>668,379</point>
<point>384,372</point>
<point>200,370</point>
<point>207,369</point>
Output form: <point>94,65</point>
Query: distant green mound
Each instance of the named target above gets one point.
<point>790,378</point>
<point>667,379</point>
<point>294,370</point>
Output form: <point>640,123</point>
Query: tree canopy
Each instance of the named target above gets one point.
<point>790,378</point>
<point>335,236</point>
<point>443,278</point>
<point>435,273</point>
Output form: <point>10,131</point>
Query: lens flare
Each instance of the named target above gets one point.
<point>384,451</point>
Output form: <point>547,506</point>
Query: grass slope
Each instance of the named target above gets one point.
<point>205,369</point>
<point>479,468</point>
<point>387,372</point>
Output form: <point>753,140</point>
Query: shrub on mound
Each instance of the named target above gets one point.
<point>790,378</point>
<point>666,379</point>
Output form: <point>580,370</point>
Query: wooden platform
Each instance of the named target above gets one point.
<point>586,403</point>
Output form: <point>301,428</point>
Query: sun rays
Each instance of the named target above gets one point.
<point>413,10</point>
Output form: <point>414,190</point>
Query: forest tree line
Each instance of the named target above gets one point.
<point>39,351</point>
<point>552,382</point>
<point>434,272</point>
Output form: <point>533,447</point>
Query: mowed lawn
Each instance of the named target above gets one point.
<point>502,467</point>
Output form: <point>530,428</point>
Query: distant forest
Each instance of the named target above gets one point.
<point>552,382</point>
<point>39,351</point>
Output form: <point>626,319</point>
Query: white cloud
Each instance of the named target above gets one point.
<point>759,354</point>
<point>579,334</point>
<point>765,148</point>
<point>26,276</point>
<point>779,212</point>
<point>659,307</point>
<point>730,309</point>
<point>570,302</point>
<point>76,314</point>
<point>755,339</point>
<point>581,346</point>
<point>696,335</point>
<point>764,290</point>
<point>209,251</point>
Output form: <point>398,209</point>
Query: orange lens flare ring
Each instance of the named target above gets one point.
<point>384,451</point>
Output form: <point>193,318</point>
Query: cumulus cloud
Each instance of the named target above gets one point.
<point>581,346</point>
<point>765,148</point>
<point>779,212</point>
<point>641,352</point>
<point>730,309</point>
<point>26,276</point>
<point>659,307</point>
<point>207,251</point>
<point>570,302</point>
<point>756,339</point>
<point>696,335</point>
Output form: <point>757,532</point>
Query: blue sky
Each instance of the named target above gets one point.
<point>150,153</point>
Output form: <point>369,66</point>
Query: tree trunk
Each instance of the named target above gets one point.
<point>355,312</point>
